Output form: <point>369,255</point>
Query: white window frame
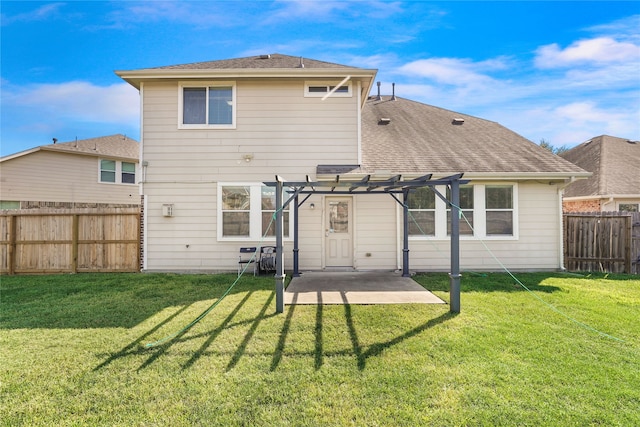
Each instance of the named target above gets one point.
<point>255,214</point>
<point>479,215</point>
<point>328,85</point>
<point>206,85</point>
<point>118,171</point>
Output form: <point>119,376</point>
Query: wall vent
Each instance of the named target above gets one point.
<point>167,210</point>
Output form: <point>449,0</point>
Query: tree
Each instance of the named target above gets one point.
<point>555,150</point>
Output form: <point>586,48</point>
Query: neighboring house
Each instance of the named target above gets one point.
<point>615,183</point>
<point>97,172</point>
<point>214,132</point>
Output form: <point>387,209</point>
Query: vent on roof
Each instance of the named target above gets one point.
<point>393,91</point>
<point>384,121</point>
<point>265,56</point>
<point>378,98</point>
<point>457,121</point>
<point>632,142</point>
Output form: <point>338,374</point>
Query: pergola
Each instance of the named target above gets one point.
<point>395,187</point>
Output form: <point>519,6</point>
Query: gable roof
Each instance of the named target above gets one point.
<point>614,163</point>
<point>262,66</point>
<point>113,146</point>
<point>274,60</point>
<point>421,138</point>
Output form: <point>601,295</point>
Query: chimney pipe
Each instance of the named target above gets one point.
<point>393,90</point>
<point>378,98</point>
<point>55,140</point>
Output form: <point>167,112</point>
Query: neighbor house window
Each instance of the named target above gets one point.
<point>112,171</point>
<point>107,171</point>
<point>320,89</point>
<point>422,212</point>
<point>9,204</point>
<point>466,206</point>
<point>128,173</point>
<point>246,212</point>
<point>205,105</point>
<point>628,207</point>
<point>499,209</point>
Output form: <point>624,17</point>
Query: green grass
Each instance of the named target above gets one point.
<point>72,352</point>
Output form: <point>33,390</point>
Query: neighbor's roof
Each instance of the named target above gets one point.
<point>113,146</point>
<point>615,163</point>
<point>404,136</point>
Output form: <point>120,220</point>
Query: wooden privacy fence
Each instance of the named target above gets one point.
<point>602,241</point>
<point>103,240</point>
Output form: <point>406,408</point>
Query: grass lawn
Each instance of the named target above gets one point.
<point>72,352</point>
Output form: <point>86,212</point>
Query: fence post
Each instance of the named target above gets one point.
<point>12,245</point>
<point>627,248</point>
<point>74,243</point>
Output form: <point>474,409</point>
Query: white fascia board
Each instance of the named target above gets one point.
<point>19,154</point>
<point>602,196</point>
<point>134,77</point>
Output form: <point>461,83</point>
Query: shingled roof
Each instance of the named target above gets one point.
<point>404,136</point>
<point>614,163</point>
<point>274,60</point>
<point>113,146</point>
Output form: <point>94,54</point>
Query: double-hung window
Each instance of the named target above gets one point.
<point>499,210</point>
<point>116,172</point>
<point>246,212</point>
<point>207,105</point>
<point>488,211</point>
<point>466,206</point>
<point>422,212</point>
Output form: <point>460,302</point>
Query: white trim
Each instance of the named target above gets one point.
<point>328,84</point>
<point>145,237</point>
<point>207,85</point>
<point>359,114</point>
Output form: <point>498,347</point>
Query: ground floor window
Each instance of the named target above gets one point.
<point>487,211</point>
<point>245,212</point>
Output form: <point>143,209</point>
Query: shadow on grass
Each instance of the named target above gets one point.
<point>488,282</point>
<point>109,300</point>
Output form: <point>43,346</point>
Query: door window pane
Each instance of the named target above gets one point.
<point>339,217</point>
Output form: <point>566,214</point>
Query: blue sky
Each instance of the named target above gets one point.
<point>559,71</point>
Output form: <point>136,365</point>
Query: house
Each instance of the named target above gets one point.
<point>213,133</point>
<point>96,172</point>
<point>615,183</point>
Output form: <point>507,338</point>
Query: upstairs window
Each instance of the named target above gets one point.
<point>107,171</point>
<point>207,105</point>
<point>321,89</point>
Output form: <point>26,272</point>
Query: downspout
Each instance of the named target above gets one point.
<point>561,222</point>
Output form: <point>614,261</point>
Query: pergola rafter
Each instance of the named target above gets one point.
<point>393,186</point>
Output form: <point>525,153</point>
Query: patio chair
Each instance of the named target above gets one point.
<point>268,258</point>
<point>247,257</point>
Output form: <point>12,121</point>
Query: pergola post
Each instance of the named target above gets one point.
<point>280,276</point>
<point>405,238</point>
<point>454,275</point>
<point>296,272</point>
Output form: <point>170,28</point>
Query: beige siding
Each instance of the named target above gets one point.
<point>287,135</point>
<point>59,177</point>
<point>537,247</point>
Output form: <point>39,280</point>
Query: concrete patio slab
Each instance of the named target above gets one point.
<point>373,287</point>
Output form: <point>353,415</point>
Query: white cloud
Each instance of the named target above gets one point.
<point>77,101</point>
<point>451,71</point>
<point>600,50</point>
<point>39,14</point>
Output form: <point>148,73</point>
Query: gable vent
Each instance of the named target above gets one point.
<point>457,121</point>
